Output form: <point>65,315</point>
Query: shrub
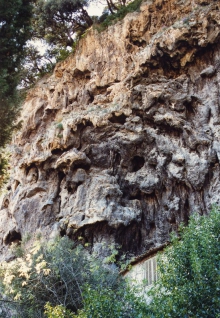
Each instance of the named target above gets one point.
<point>189,271</point>
<point>58,311</point>
<point>108,303</point>
<point>119,15</point>
<point>66,277</point>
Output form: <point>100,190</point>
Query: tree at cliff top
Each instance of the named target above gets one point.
<point>14,32</point>
<point>58,21</point>
<point>189,284</point>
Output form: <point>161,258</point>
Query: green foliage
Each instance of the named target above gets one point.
<point>118,15</point>
<point>106,302</point>
<point>35,65</point>
<point>57,21</point>
<point>189,271</point>
<point>4,167</point>
<point>61,24</point>
<point>62,280</point>
<point>14,32</point>
<point>62,275</point>
<point>58,311</point>
<point>59,126</point>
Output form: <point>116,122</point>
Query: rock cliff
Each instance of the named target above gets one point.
<point>122,142</point>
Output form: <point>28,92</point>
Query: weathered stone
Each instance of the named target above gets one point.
<point>122,142</point>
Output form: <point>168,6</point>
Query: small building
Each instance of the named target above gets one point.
<point>143,271</point>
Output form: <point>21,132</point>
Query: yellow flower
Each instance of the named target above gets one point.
<point>8,279</point>
<point>40,266</point>
<point>46,271</point>
<point>18,296</point>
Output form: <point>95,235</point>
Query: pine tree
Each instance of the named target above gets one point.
<point>15,30</point>
<point>58,21</point>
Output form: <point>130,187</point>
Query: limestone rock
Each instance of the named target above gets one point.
<point>122,142</point>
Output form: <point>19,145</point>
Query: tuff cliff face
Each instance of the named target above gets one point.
<point>122,142</point>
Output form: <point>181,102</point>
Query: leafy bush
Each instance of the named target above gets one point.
<point>109,303</point>
<point>66,277</point>
<point>58,311</point>
<point>63,280</point>
<point>4,167</point>
<point>189,271</point>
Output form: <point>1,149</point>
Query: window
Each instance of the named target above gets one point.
<point>146,272</point>
<point>150,270</point>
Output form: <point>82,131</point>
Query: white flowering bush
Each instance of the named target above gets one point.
<point>58,279</point>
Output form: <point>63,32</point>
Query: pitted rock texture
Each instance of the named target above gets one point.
<point>122,142</point>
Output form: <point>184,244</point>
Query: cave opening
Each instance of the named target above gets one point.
<point>13,237</point>
<point>137,163</point>
<point>121,119</point>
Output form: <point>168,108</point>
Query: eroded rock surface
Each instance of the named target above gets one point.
<point>122,142</point>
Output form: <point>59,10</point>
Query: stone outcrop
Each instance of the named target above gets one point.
<point>122,142</point>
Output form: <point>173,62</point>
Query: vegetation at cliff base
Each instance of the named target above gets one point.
<point>189,270</point>
<point>62,280</point>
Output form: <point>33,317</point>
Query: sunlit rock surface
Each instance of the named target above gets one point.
<point>122,142</point>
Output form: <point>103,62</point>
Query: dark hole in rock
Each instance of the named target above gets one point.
<point>141,43</point>
<point>129,237</point>
<point>73,187</point>
<point>152,226</point>
<point>102,89</point>
<point>13,237</point>
<point>6,203</point>
<point>83,217</point>
<point>118,119</point>
<point>80,164</point>
<point>91,97</point>
<point>152,229</point>
<point>16,184</point>
<point>62,232</point>
<point>189,108</point>
<point>32,172</point>
<point>172,219</point>
<point>82,126</point>
<point>166,207</point>
<point>137,163</point>
<point>179,163</point>
<point>61,175</point>
<point>88,123</point>
<point>117,158</point>
<point>57,152</point>
<point>186,211</point>
<point>136,196</point>
<point>69,189</point>
<point>116,163</point>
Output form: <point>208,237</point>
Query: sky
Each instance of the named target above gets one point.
<point>96,8</point>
